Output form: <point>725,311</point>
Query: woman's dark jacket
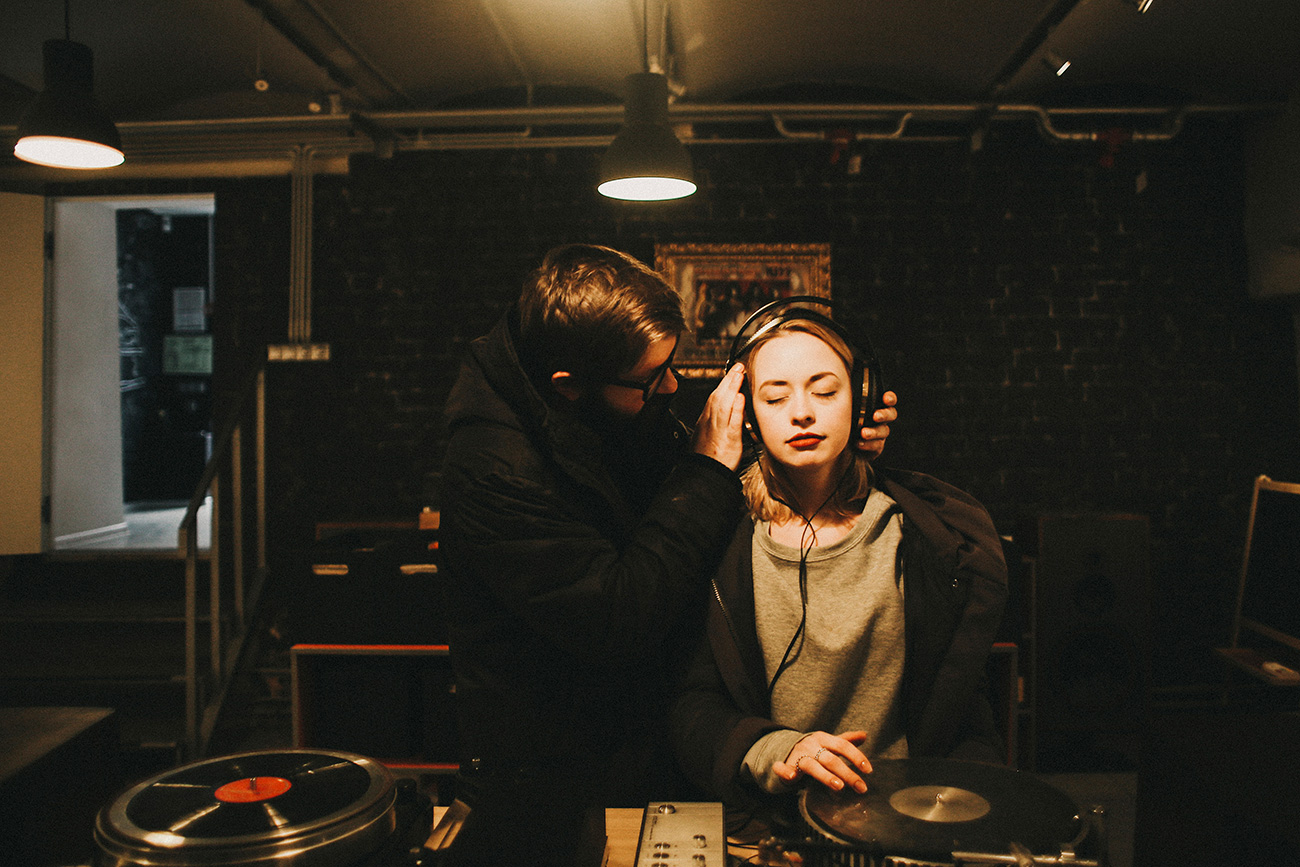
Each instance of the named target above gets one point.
<point>955,587</point>
<point>574,563</point>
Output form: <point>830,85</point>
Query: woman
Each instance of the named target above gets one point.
<point>852,613</point>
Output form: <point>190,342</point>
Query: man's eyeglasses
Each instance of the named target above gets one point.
<point>652,383</point>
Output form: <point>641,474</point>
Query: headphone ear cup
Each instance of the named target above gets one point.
<point>869,397</point>
<point>874,393</point>
<point>751,420</point>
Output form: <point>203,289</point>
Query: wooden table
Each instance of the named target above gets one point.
<point>622,832</point>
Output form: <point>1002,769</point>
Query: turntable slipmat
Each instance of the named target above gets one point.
<point>930,808</point>
<point>315,807</point>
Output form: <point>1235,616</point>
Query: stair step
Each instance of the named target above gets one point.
<point>55,580</point>
<point>83,630</point>
<point>105,649</point>
<point>148,712</point>
<point>79,611</point>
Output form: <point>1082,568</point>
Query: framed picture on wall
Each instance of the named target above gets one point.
<point>722,284</point>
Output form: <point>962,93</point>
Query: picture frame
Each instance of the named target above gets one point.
<point>722,284</point>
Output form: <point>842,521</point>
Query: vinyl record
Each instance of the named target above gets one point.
<point>930,808</point>
<point>315,807</point>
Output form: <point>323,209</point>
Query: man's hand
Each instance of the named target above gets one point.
<point>832,760</point>
<point>873,438</point>
<point>719,432</point>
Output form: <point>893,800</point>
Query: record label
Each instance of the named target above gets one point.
<point>252,789</point>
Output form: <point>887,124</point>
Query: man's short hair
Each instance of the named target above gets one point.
<point>593,312</point>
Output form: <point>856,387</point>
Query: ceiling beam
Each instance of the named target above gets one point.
<point>312,32</point>
<point>1028,46</point>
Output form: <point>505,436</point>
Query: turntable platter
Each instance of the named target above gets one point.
<point>939,804</point>
<point>930,808</point>
<point>305,807</point>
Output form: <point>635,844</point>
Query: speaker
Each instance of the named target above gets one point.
<point>1091,624</point>
<point>864,377</point>
<point>1272,204</point>
<point>1219,787</point>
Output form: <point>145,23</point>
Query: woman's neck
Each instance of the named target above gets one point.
<point>813,488</point>
<point>825,527</point>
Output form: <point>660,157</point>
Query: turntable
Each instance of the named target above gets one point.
<point>944,813</point>
<point>306,808</point>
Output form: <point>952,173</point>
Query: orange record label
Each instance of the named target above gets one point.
<point>252,789</point>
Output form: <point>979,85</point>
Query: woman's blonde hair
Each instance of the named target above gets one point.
<point>767,489</point>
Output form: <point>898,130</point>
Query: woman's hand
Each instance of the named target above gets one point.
<point>832,760</point>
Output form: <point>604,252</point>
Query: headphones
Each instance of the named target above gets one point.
<point>864,377</point>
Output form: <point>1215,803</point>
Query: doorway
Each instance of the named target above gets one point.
<point>149,367</point>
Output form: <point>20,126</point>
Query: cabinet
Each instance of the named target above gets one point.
<point>1013,661</point>
<point>1006,694</point>
<point>391,702</point>
<point>58,766</point>
<point>369,664</point>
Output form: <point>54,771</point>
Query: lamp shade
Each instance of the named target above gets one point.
<point>646,162</point>
<point>65,127</point>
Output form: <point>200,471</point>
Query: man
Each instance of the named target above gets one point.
<point>580,521</point>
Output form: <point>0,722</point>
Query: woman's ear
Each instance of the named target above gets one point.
<point>565,385</point>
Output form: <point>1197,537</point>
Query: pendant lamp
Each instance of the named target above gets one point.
<point>65,127</point>
<point>646,162</point>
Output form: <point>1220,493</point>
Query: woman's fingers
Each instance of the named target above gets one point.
<point>834,761</point>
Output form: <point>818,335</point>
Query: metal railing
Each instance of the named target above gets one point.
<point>224,476</point>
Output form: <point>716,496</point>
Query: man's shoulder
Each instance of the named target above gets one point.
<point>482,445</point>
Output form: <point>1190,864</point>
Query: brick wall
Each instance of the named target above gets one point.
<point>1063,335</point>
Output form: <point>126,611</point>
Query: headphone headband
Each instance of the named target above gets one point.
<point>862,350</point>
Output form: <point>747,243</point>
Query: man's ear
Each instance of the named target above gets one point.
<point>565,384</point>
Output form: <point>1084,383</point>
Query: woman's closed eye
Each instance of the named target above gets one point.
<point>776,400</point>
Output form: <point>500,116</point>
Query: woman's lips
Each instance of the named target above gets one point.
<point>804,441</point>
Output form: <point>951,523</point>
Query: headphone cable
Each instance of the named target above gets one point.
<point>804,550</point>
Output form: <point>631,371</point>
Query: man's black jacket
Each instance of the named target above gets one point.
<point>574,564</point>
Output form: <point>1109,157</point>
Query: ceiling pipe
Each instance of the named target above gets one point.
<point>897,134</point>
<point>1172,127</point>
<point>338,136</point>
<point>610,117</point>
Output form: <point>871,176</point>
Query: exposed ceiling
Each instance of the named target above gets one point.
<point>184,77</point>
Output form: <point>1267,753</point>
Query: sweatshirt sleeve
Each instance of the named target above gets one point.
<point>771,748</point>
